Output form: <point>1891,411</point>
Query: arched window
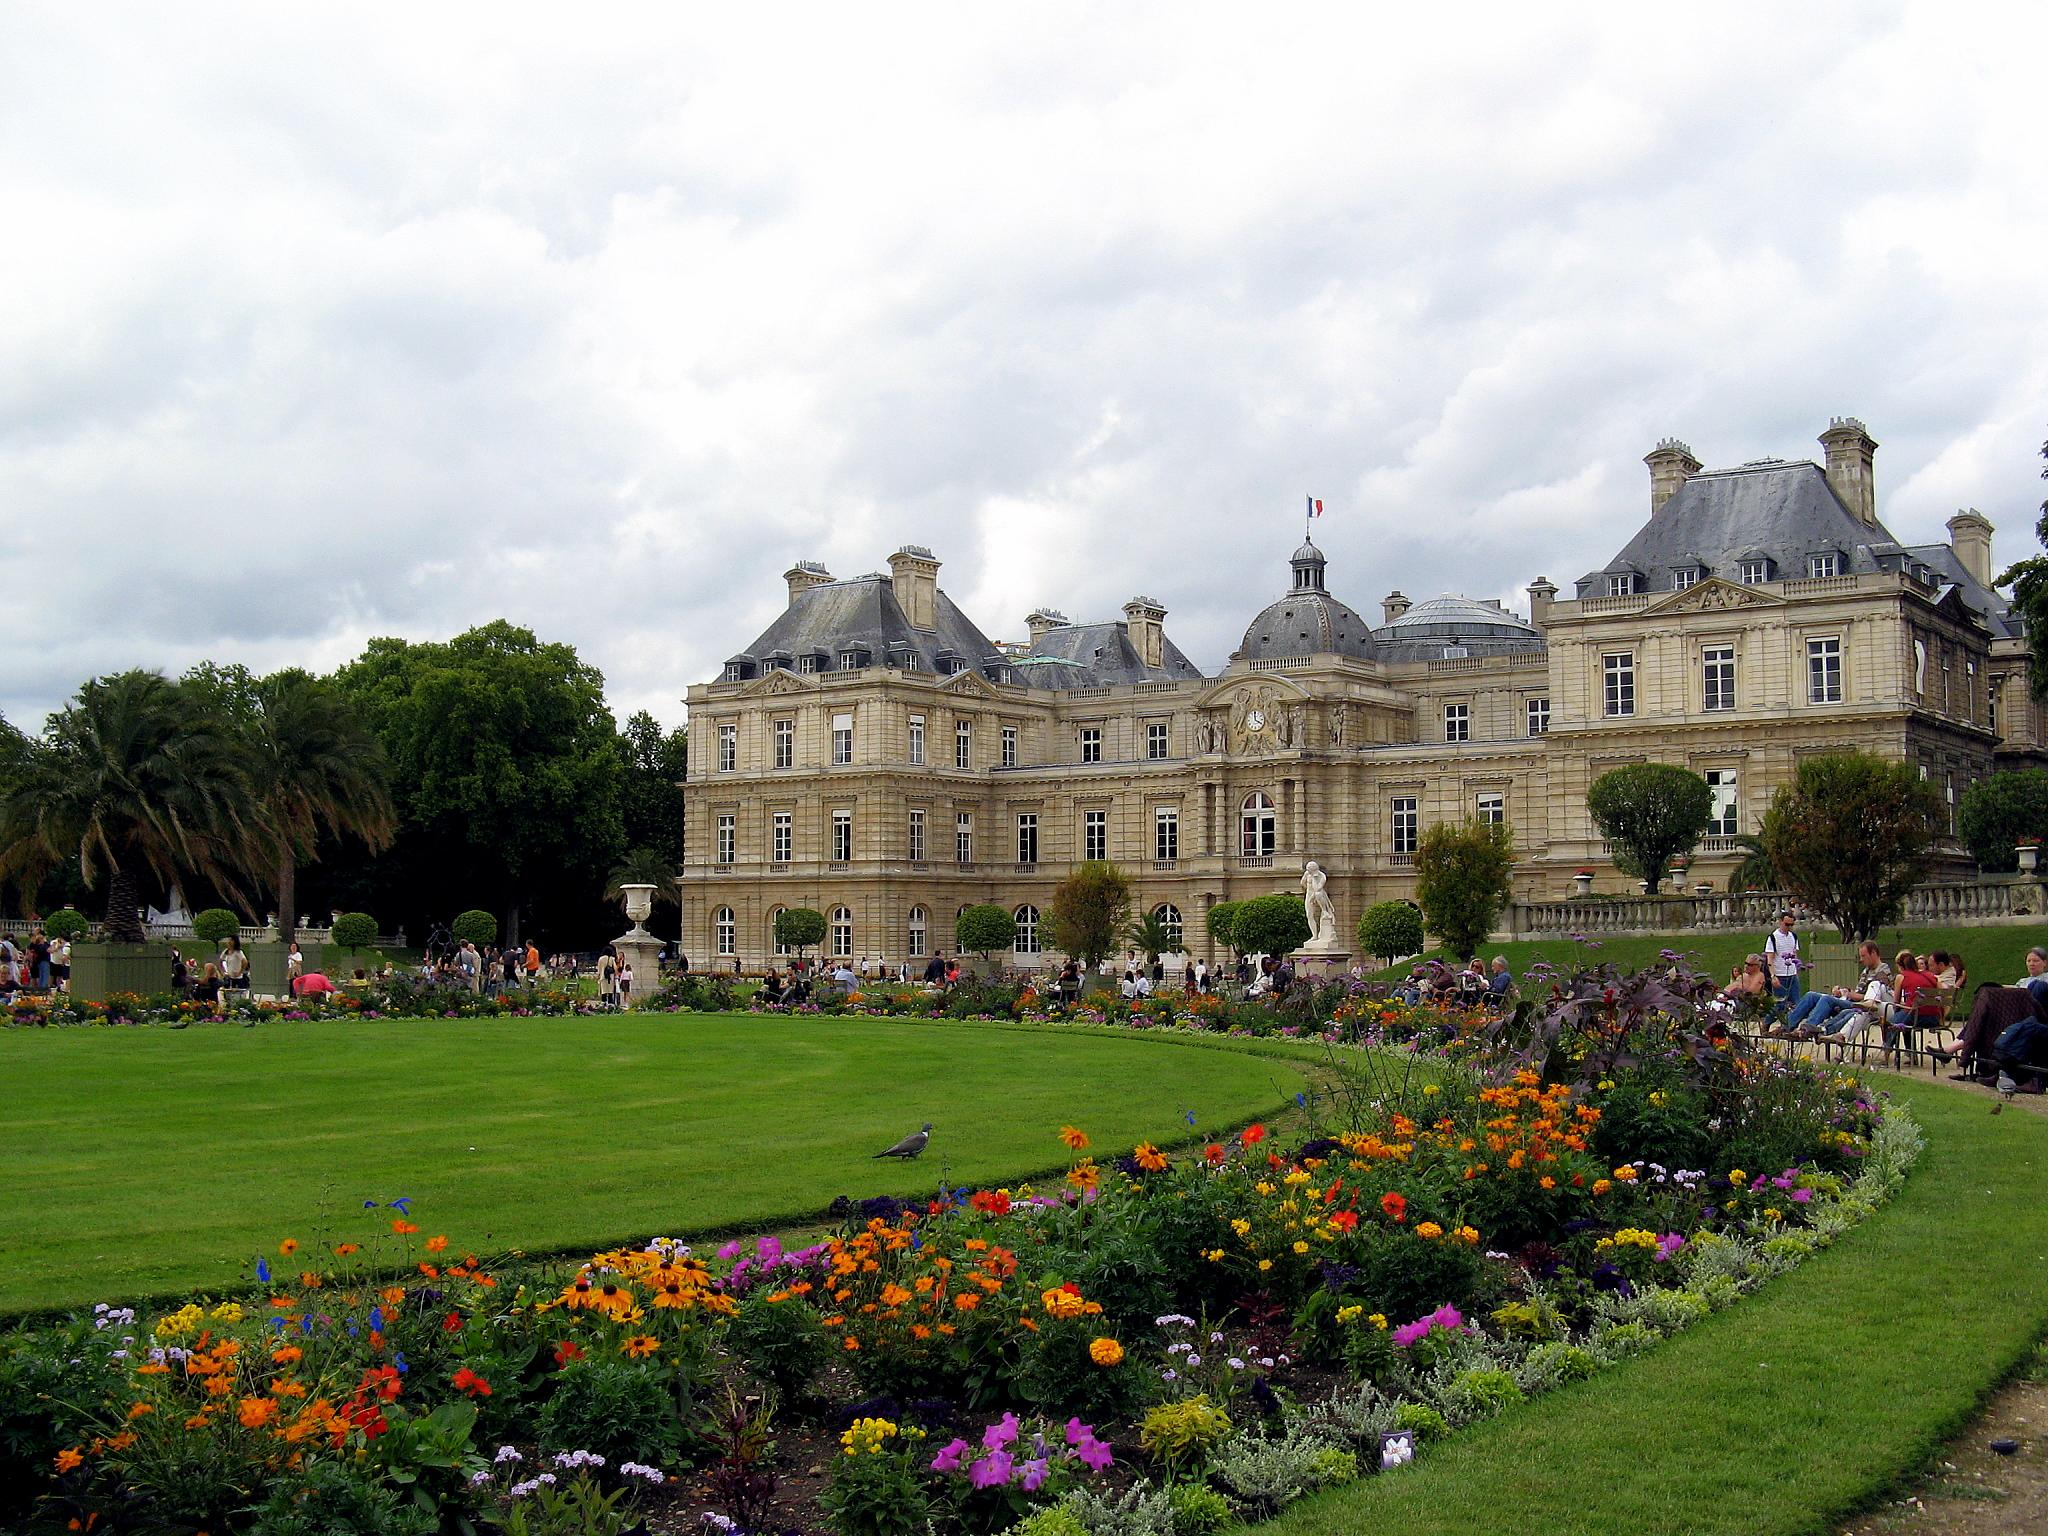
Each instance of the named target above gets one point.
<point>1027,931</point>
<point>1257,824</point>
<point>1169,919</point>
<point>725,932</point>
<point>917,928</point>
<point>842,933</point>
<point>780,947</point>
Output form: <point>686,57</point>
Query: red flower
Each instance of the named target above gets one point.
<point>452,1323</point>
<point>382,1381</point>
<point>566,1352</point>
<point>1254,1134</point>
<point>1213,1154</point>
<point>1395,1205</point>
<point>468,1381</point>
<point>995,1201</point>
<point>1344,1221</point>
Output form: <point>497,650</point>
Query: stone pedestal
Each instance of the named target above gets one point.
<point>1320,964</point>
<point>641,950</point>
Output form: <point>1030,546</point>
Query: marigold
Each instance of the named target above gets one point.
<point>1074,1137</point>
<point>1429,1229</point>
<point>1601,1186</point>
<point>1106,1352</point>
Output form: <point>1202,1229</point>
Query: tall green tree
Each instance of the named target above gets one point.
<point>1649,813</point>
<point>1090,910</point>
<point>130,780</point>
<point>652,763</point>
<point>2029,582</point>
<point>1850,836</point>
<point>506,774</point>
<point>1273,925</point>
<point>1999,810</point>
<point>1462,880</point>
<point>316,772</point>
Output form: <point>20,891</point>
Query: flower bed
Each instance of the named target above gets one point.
<point>1159,1341</point>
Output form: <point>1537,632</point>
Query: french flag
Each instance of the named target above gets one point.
<point>1315,506</point>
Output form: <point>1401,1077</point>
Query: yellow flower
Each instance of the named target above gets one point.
<point>1215,1255</point>
<point>1241,1227</point>
<point>1350,1314</point>
<point>1625,1174</point>
<point>1601,1186</point>
<point>1150,1158</point>
<point>867,1435</point>
<point>1301,1247</point>
<point>1468,1235</point>
<point>1430,1089</point>
<point>1429,1229</point>
<point>1737,1177</point>
<point>1379,1321</point>
<point>1074,1137</point>
<point>228,1312</point>
<point>1106,1352</point>
<point>1264,1265</point>
<point>639,1345</point>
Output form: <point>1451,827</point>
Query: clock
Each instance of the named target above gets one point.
<point>1255,720</point>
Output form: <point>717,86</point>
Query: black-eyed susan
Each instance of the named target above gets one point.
<point>640,1345</point>
<point>1150,1158</point>
<point>1074,1137</point>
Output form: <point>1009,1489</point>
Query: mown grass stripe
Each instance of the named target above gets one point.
<point>1791,1410</point>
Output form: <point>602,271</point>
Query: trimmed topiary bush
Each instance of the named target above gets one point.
<point>477,926</point>
<point>65,923</point>
<point>355,930</point>
<point>1390,929</point>
<point>216,925</point>
<point>798,928</point>
<point>982,928</point>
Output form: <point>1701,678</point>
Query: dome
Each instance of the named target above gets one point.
<point>1307,621</point>
<point>1449,616</point>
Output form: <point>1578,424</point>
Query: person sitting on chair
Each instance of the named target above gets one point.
<point>1845,1011</point>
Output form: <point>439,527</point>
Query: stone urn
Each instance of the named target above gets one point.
<point>639,903</point>
<point>1582,884</point>
<point>2030,857</point>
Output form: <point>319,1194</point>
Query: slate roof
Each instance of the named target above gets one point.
<point>1941,559</point>
<point>1450,625</point>
<point>1103,654</point>
<point>1776,510</point>
<point>1308,621</point>
<point>863,613</point>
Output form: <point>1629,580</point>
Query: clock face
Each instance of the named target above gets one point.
<point>1255,720</point>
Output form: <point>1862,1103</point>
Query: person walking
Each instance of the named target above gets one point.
<point>1781,950</point>
<point>607,980</point>
<point>234,967</point>
<point>625,985</point>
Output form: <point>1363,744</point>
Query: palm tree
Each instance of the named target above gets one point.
<point>315,769</point>
<point>1151,935</point>
<point>130,778</point>
<point>1755,872</point>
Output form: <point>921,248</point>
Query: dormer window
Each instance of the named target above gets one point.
<point>733,672</point>
<point>849,661</point>
<point>1621,583</point>
<point>1755,571</point>
<point>1826,563</point>
<point>810,663</point>
<point>1684,577</point>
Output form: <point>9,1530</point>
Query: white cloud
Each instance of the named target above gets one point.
<point>326,326</point>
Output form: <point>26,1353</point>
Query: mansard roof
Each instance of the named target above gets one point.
<point>1094,655</point>
<point>1941,560</point>
<point>863,614</point>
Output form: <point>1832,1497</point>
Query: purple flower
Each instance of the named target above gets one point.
<point>993,1470</point>
<point>730,1250</point>
<point>948,1459</point>
<point>1802,1196</point>
<point>1034,1474</point>
<point>1411,1333</point>
<point>996,1436</point>
<point>1095,1455</point>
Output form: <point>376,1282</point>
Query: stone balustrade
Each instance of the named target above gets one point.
<point>1992,901</point>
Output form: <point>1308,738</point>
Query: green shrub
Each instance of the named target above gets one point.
<point>1272,925</point>
<point>1554,1364</point>
<point>477,926</point>
<point>982,928</point>
<point>624,1412</point>
<point>1223,924</point>
<point>1425,1421</point>
<point>783,1343</point>
<point>1483,1393</point>
<point>1183,1433</point>
<point>1199,1510</point>
<point>355,930</point>
<point>1462,880</point>
<point>327,1498</point>
<point>798,928</point>
<point>876,1489</point>
<point>1055,1520</point>
<point>1332,1468</point>
<point>65,923</point>
<point>1390,929</point>
<point>216,925</point>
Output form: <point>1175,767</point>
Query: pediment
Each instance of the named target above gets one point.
<point>970,682</point>
<point>1712,595</point>
<point>778,682</point>
<point>1228,690</point>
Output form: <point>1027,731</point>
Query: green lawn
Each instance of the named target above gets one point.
<point>1992,954</point>
<point>147,1161</point>
<point>1794,1409</point>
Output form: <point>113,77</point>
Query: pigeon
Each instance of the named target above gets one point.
<point>910,1146</point>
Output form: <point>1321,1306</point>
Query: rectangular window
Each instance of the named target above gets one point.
<point>1009,746</point>
<point>728,748</point>
<point>1619,669</point>
<point>842,739</point>
<point>917,837</point>
<point>963,745</point>
<point>1622,585</point>
<point>1717,677</point>
<point>1091,744</point>
<point>848,660</point>
<point>781,837</point>
<point>963,838</point>
<point>1404,824</point>
<point>1824,671</point>
<point>728,837</point>
<point>842,836</point>
<point>1155,739</point>
<point>807,663</point>
<point>726,932</point>
<point>1725,815</point>
<point>785,743</point>
<point>917,741</point>
<point>1970,691</point>
<point>1684,577</point>
<point>1493,807</point>
<point>842,933</point>
<point>1027,837</point>
<point>1457,722</point>
<point>1539,717</point>
<point>1166,832</point>
<point>1095,834</point>
<point>1819,566</point>
<point>1755,572</point>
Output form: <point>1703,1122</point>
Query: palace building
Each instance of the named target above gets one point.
<point>875,756</point>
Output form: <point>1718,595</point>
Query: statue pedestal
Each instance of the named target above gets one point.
<point>1322,964</point>
<point>641,950</point>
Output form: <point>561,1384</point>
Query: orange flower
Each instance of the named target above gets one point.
<point>1253,1135</point>
<point>138,1410</point>
<point>1149,1157</point>
<point>1074,1137</point>
<point>1213,1154</point>
<point>255,1412</point>
<point>401,1226</point>
<point>288,1247</point>
<point>967,1301</point>
<point>68,1460</point>
<point>289,1354</point>
<point>1395,1205</point>
<point>1106,1352</point>
<point>343,1250</point>
<point>852,1343</point>
<point>436,1244</point>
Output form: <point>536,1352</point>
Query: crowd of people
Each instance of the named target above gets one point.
<point>34,964</point>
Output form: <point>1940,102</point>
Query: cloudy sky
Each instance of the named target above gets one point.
<point>325,323</point>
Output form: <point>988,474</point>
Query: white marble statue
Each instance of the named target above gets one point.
<point>1322,914</point>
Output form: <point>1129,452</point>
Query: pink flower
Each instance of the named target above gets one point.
<point>1034,1474</point>
<point>998,1435</point>
<point>1802,1196</point>
<point>993,1470</point>
<point>948,1459</point>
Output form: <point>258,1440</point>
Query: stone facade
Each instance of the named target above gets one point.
<point>875,757</point>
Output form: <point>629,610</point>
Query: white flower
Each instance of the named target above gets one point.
<point>1193,1361</point>
<point>1234,1363</point>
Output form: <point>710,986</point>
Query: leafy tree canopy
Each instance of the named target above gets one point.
<point>1223,924</point>
<point>476,925</point>
<point>1390,929</point>
<point>355,930</point>
<point>652,763</point>
<point>1462,879</point>
<point>1649,813</point>
<point>1996,812</point>
<point>216,925</point>
<point>1272,925</point>
<point>1090,910</point>
<point>1850,837</point>
<point>2029,582</point>
<point>798,928</point>
<point>982,928</point>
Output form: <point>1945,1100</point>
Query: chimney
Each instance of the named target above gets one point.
<point>1671,465</point>
<point>1850,451</point>
<point>1041,620</point>
<point>803,576</point>
<point>1969,535</point>
<point>1392,606</point>
<point>1542,593</point>
<point>914,578</point>
<point>1145,623</point>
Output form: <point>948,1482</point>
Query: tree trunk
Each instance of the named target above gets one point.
<point>512,925</point>
<point>287,897</point>
<point>124,923</point>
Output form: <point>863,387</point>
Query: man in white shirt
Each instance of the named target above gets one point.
<point>1781,952</point>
